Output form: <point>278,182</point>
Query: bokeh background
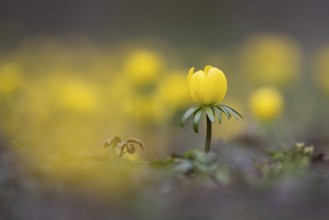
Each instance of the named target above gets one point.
<point>74,73</point>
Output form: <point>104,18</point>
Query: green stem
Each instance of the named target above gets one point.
<point>208,136</point>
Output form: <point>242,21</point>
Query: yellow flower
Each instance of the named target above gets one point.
<point>208,86</point>
<point>143,67</point>
<point>321,69</point>
<point>71,94</point>
<point>11,78</point>
<point>172,91</point>
<point>144,109</point>
<point>272,59</point>
<point>266,103</point>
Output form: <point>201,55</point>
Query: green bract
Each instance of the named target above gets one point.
<point>211,111</point>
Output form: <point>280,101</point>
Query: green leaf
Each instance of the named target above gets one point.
<point>199,156</point>
<point>136,141</point>
<point>111,142</point>
<point>131,148</point>
<point>183,166</point>
<point>162,163</point>
<point>210,114</point>
<point>196,119</point>
<point>219,114</point>
<point>224,111</point>
<point>123,147</point>
<point>235,111</point>
<point>187,114</point>
<point>236,116</point>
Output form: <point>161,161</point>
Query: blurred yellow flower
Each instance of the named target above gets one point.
<point>271,59</point>
<point>143,67</point>
<point>208,86</point>
<point>144,109</point>
<point>71,94</point>
<point>172,91</point>
<point>266,104</point>
<point>11,78</point>
<point>321,69</point>
<point>78,96</point>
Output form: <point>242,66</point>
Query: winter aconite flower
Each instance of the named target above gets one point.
<point>143,67</point>
<point>266,104</point>
<point>208,86</point>
<point>207,89</point>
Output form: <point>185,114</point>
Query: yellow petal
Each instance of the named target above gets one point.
<point>217,84</point>
<point>189,76</point>
<point>223,84</point>
<point>206,69</point>
<point>196,86</point>
<point>205,90</point>
<point>214,85</point>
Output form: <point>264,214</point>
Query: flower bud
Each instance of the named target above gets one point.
<point>208,86</point>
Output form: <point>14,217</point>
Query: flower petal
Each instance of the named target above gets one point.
<point>206,69</point>
<point>189,76</point>
<point>196,87</point>
<point>220,83</point>
<point>213,82</point>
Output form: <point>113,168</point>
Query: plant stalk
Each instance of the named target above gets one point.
<point>208,136</point>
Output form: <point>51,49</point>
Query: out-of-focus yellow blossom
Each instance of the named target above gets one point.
<point>266,103</point>
<point>321,69</point>
<point>11,78</point>
<point>145,109</point>
<point>57,118</point>
<point>73,94</point>
<point>207,86</point>
<point>143,67</point>
<point>271,59</point>
<point>78,96</point>
<point>172,91</point>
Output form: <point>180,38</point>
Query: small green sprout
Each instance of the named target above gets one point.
<point>292,160</point>
<point>128,146</point>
